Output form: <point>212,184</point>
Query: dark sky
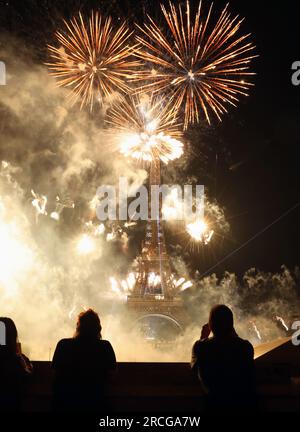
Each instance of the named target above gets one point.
<point>263,134</point>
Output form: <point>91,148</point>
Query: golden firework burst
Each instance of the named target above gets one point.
<point>147,128</point>
<point>201,65</point>
<point>93,60</point>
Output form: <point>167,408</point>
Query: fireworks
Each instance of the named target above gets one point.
<point>199,65</point>
<point>256,330</point>
<point>281,320</point>
<point>153,280</point>
<point>16,252</point>
<point>60,205</point>
<point>148,129</point>
<point>39,203</point>
<point>124,287</point>
<point>94,230</point>
<point>93,59</point>
<point>85,245</point>
<point>182,284</point>
<point>99,230</point>
<point>71,312</point>
<point>200,232</point>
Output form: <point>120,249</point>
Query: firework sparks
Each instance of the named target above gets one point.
<point>93,59</point>
<point>122,288</point>
<point>256,330</point>
<point>186,285</point>
<point>154,280</point>
<point>94,230</point>
<point>111,236</point>
<point>85,245</point>
<point>201,66</point>
<point>114,285</point>
<point>39,203</point>
<point>100,230</point>
<point>281,320</point>
<point>181,284</point>
<point>200,232</point>
<point>60,205</point>
<point>71,312</point>
<point>94,203</point>
<point>129,224</point>
<point>131,279</point>
<point>148,129</point>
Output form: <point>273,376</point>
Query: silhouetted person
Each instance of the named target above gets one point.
<point>225,364</point>
<point>15,368</point>
<point>82,365</point>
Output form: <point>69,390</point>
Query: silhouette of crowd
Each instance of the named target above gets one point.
<point>82,365</point>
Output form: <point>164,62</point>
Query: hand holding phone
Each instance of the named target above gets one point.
<point>205,331</point>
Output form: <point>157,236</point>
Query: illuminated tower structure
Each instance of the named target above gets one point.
<point>154,293</point>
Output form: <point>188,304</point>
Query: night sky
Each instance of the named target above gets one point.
<point>257,177</point>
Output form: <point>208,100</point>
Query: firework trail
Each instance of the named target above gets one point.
<point>200,65</point>
<point>256,330</point>
<point>93,59</point>
<point>281,320</point>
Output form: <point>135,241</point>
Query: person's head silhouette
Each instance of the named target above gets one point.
<point>88,325</point>
<point>221,321</point>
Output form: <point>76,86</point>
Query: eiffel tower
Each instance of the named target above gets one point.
<point>154,292</point>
